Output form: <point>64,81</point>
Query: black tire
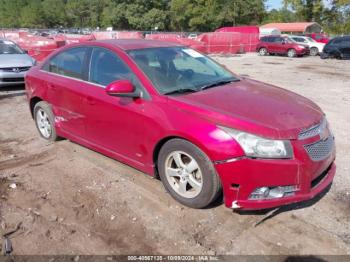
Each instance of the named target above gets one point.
<point>45,107</point>
<point>291,53</point>
<point>323,56</point>
<point>211,185</point>
<point>263,51</point>
<point>314,51</point>
<point>339,56</point>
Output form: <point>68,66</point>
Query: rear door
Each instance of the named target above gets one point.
<point>66,89</point>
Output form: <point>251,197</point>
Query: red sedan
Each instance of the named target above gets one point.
<point>168,110</point>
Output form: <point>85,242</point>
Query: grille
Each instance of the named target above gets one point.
<point>321,149</point>
<point>14,69</point>
<point>8,80</point>
<point>313,131</point>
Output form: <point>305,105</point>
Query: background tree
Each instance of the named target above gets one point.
<point>10,13</point>
<point>170,15</point>
<point>54,13</point>
<point>32,15</point>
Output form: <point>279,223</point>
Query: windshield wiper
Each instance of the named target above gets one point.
<point>219,83</point>
<point>181,91</point>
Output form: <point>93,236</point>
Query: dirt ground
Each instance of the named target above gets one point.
<point>71,200</point>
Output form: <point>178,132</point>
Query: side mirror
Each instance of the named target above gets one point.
<point>123,88</point>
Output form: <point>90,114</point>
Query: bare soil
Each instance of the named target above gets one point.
<point>72,200</point>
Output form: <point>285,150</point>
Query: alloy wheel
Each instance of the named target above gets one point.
<point>183,174</point>
<point>43,122</point>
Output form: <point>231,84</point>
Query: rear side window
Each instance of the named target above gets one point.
<point>69,63</point>
<point>277,40</point>
<point>299,39</point>
<point>106,67</point>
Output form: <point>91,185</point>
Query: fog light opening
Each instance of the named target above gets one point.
<point>262,193</point>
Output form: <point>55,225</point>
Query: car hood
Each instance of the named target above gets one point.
<point>253,107</point>
<point>17,60</point>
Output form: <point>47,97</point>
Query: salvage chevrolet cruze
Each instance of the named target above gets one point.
<point>172,112</point>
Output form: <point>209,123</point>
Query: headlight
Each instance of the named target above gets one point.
<point>301,46</point>
<point>258,147</point>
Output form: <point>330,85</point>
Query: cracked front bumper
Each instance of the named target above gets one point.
<point>240,178</point>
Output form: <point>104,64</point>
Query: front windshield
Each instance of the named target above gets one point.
<point>9,48</point>
<point>311,40</point>
<point>179,68</point>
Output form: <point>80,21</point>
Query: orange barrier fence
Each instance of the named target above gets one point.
<point>211,43</point>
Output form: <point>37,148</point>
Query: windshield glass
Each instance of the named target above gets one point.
<point>179,68</point>
<point>311,40</point>
<point>8,47</point>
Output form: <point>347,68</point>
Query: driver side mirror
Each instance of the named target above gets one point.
<point>123,88</point>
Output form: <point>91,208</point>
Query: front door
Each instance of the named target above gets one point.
<point>117,124</point>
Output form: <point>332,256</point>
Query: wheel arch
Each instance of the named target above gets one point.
<point>33,102</point>
<point>157,149</point>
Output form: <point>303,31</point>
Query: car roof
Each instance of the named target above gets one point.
<point>132,44</point>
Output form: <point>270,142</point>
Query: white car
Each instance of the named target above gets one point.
<point>315,47</point>
<point>14,63</point>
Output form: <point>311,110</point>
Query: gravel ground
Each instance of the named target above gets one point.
<point>72,200</point>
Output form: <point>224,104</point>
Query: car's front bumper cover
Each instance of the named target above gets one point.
<point>241,176</point>
<point>11,78</point>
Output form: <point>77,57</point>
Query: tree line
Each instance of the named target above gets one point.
<point>169,15</point>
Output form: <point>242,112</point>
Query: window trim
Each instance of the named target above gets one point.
<point>83,73</point>
<point>145,94</point>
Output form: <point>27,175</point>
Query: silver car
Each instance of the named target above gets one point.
<point>14,63</point>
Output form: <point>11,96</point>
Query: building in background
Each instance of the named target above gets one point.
<point>295,28</point>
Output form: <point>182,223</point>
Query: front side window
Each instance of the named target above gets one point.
<point>179,68</point>
<point>106,67</point>
<point>265,39</point>
<point>337,41</point>
<point>69,63</point>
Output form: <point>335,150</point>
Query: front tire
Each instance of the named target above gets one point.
<point>339,56</point>
<point>44,120</point>
<point>314,51</point>
<point>188,174</point>
<point>291,53</point>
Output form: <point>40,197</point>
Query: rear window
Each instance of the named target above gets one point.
<point>68,63</point>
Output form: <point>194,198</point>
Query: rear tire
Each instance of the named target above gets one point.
<point>263,51</point>
<point>314,51</point>
<point>188,174</point>
<point>45,121</point>
<point>291,53</point>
